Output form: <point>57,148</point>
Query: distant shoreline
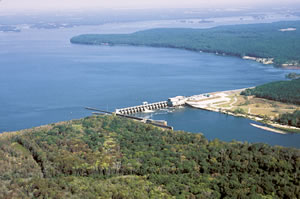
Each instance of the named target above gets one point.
<point>263,43</point>
<point>263,61</point>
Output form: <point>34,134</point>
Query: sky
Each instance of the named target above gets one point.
<point>59,5</point>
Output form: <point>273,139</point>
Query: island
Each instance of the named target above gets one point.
<point>268,43</point>
<point>115,157</point>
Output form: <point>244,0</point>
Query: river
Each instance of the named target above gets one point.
<point>45,79</point>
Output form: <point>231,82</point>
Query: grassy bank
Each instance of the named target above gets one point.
<point>255,108</point>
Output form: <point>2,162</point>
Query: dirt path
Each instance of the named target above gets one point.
<point>231,104</point>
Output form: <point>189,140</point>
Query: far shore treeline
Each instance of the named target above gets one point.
<point>255,40</point>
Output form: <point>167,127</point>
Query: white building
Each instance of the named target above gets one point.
<point>176,101</point>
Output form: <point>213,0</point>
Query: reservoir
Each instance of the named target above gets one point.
<point>45,79</point>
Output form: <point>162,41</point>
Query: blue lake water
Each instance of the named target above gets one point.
<point>45,79</point>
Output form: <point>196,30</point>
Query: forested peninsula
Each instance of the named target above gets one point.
<point>275,43</point>
<point>112,157</point>
<point>282,91</point>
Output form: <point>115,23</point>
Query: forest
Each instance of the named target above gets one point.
<point>112,157</point>
<point>291,119</point>
<point>282,91</point>
<point>293,76</point>
<point>255,40</point>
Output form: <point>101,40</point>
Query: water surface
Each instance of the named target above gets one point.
<point>45,79</point>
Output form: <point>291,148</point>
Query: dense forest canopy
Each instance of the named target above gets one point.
<point>111,157</point>
<point>282,91</point>
<point>292,119</point>
<point>258,40</point>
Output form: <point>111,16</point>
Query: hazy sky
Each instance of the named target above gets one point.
<point>50,5</point>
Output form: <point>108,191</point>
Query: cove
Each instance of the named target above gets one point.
<point>224,127</point>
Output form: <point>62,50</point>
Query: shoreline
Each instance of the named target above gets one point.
<point>256,119</point>
<point>277,128</point>
<point>263,61</point>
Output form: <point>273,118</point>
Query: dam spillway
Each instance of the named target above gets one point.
<point>142,108</point>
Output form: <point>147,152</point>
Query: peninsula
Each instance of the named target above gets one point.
<point>276,104</point>
<point>283,117</point>
<point>264,43</point>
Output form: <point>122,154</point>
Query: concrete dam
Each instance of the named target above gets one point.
<point>172,102</point>
<point>142,108</point>
<point>194,101</point>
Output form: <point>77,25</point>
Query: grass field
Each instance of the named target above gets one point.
<point>258,106</point>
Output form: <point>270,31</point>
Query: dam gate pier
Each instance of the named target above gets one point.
<point>143,108</point>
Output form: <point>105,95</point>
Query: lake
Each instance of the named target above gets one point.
<point>45,79</point>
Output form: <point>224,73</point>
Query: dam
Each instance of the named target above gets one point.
<point>196,101</point>
<point>142,108</point>
<point>172,102</point>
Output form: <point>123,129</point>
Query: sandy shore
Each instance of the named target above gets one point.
<point>268,129</point>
